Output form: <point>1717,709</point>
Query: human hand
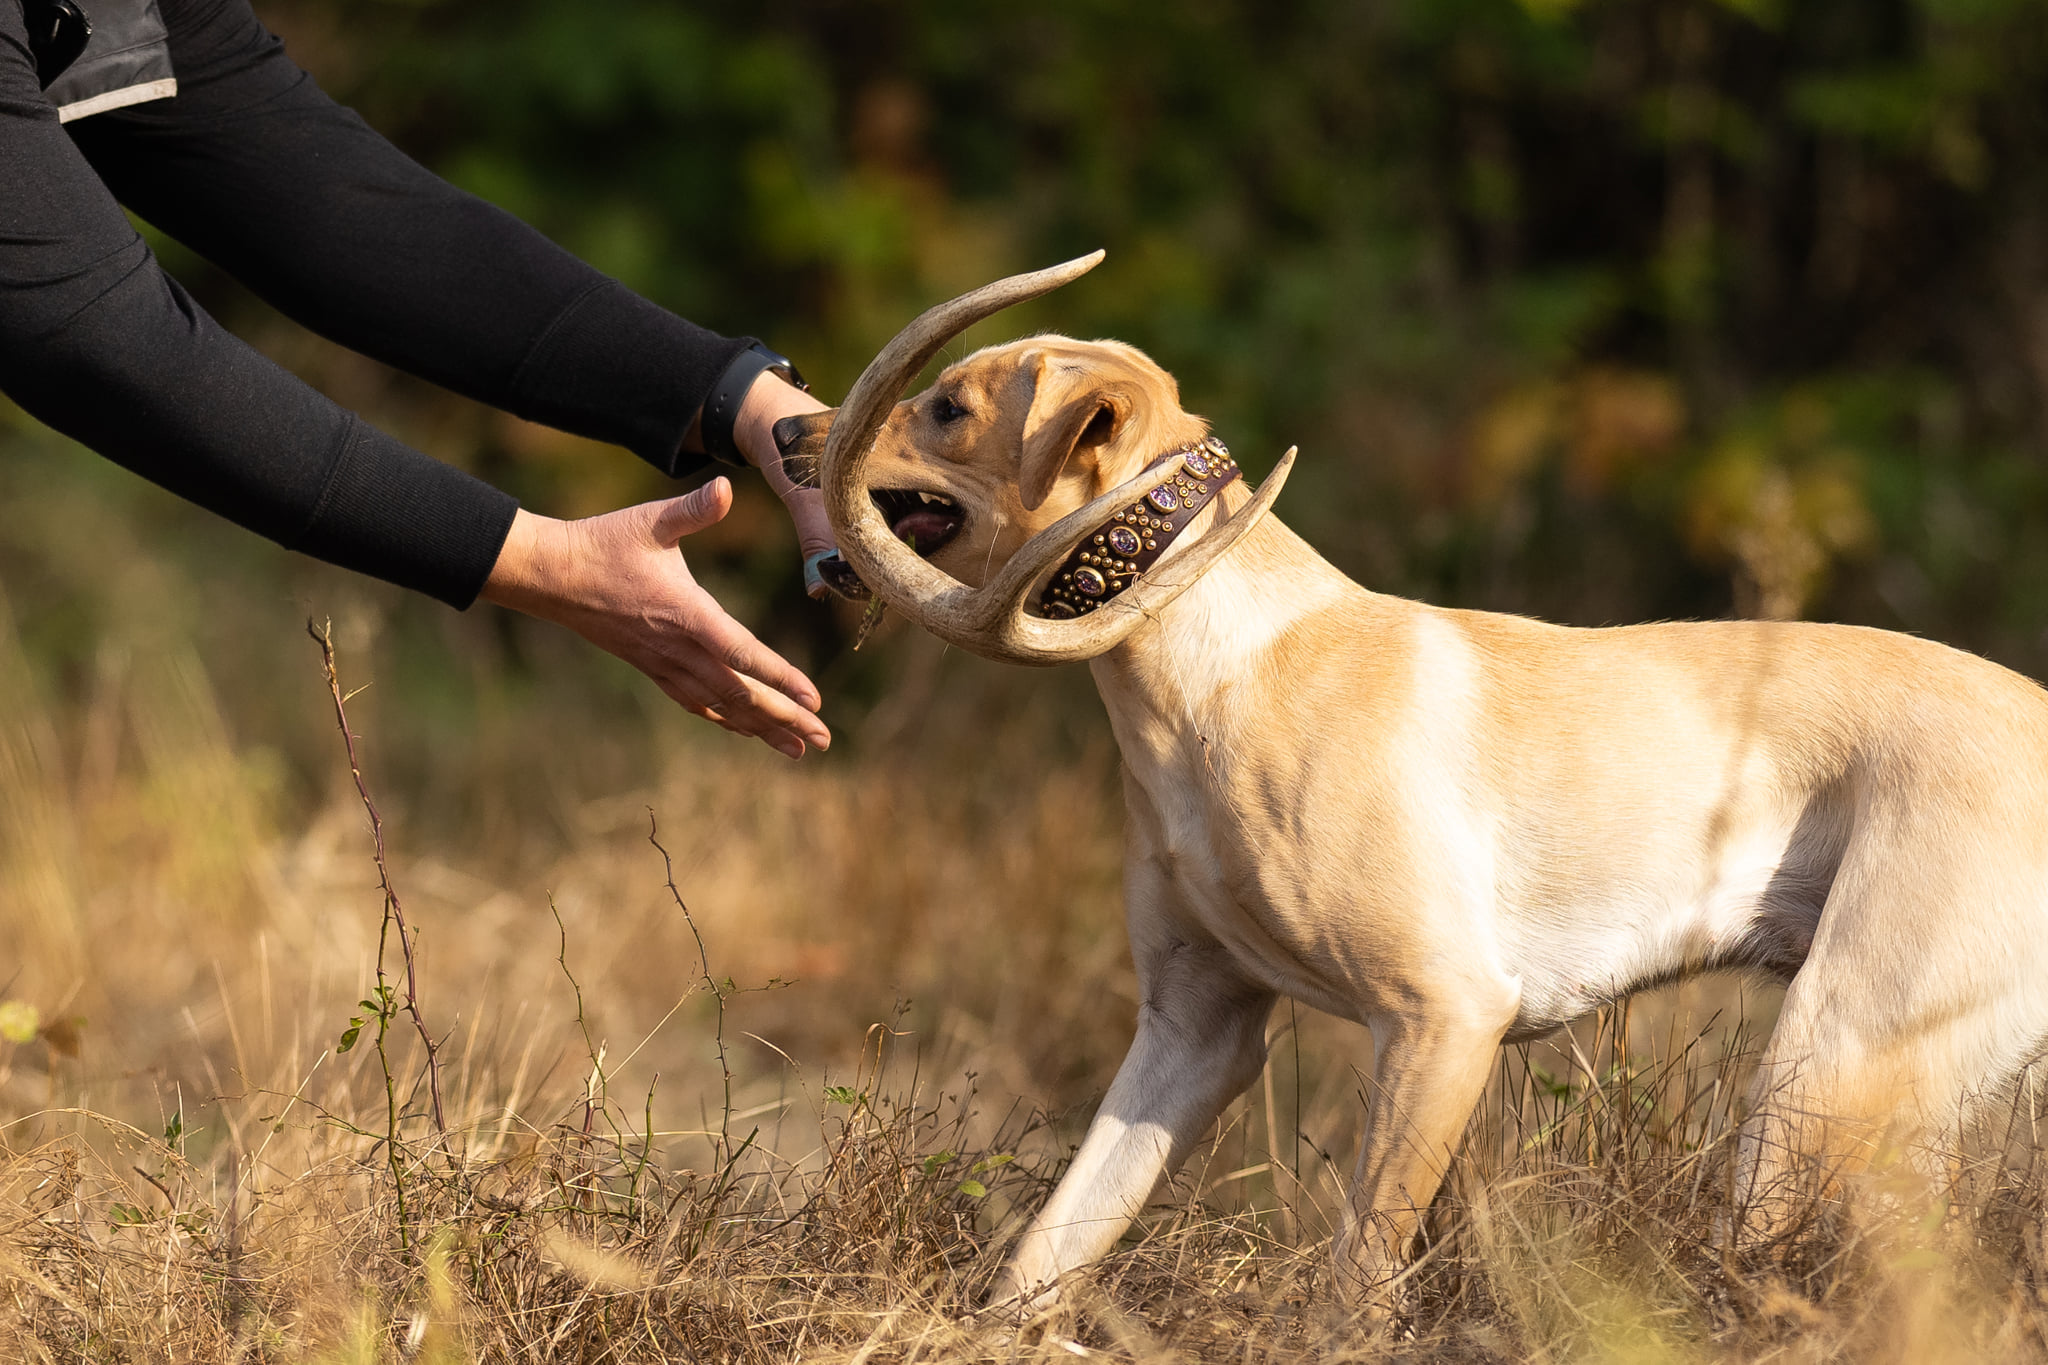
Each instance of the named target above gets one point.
<point>768,402</point>
<point>620,582</point>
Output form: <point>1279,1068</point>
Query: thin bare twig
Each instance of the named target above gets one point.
<point>704,972</point>
<point>394,909</point>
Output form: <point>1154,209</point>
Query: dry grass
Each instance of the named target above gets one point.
<point>1579,1228</point>
<point>814,1141</point>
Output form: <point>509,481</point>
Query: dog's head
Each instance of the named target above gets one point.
<point>1005,443</point>
<point>955,505</point>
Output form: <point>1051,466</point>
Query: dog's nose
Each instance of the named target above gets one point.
<point>800,441</point>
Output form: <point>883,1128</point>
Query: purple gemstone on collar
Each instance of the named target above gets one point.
<point>1124,540</point>
<point>1196,465</point>
<point>1090,582</point>
<point>1164,498</point>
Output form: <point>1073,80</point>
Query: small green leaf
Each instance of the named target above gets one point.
<point>973,1189</point>
<point>990,1163</point>
<point>19,1021</point>
<point>938,1159</point>
<point>350,1034</point>
<point>174,1130</point>
<point>845,1094</point>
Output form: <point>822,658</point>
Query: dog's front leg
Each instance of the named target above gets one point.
<point>1201,1041</point>
<point>1428,1071</point>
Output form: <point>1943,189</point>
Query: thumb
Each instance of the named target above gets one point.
<point>692,512</point>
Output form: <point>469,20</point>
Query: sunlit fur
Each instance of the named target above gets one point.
<point>1459,827</point>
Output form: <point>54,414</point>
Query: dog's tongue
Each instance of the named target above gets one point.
<point>924,526</point>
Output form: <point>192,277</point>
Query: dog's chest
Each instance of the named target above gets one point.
<point>1252,825</point>
<point>1200,866</point>
<point>1242,853</point>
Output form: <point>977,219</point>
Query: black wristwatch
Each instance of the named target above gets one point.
<point>57,32</point>
<point>722,408</point>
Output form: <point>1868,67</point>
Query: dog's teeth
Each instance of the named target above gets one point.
<point>930,498</point>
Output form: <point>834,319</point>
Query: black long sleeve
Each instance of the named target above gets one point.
<point>256,169</point>
<point>253,167</point>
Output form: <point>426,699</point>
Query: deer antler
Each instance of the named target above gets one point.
<point>991,620</point>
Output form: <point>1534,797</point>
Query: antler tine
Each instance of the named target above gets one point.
<point>907,582</point>
<point>1030,639</point>
<point>1007,593</point>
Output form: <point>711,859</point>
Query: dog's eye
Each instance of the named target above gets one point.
<point>946,410</point>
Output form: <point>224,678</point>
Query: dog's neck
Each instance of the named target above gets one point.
<point>1219,635</point>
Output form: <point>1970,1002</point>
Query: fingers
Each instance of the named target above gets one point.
<point>782,741</point>
<point>692,512</point>
<point>716,669</point>
<point>730,654</point>
<point>813,528</point>
<point>711,663</point>
<point>813,532</point>
<point>742,705</point>
<point>791,468</point>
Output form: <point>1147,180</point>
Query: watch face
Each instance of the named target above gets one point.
<point>57,33</point>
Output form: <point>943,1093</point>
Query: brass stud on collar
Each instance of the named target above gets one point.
<point>1120,549</point>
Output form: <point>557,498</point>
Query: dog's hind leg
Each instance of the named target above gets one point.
<point>1200,1043</point>
<point>1884,1049</point>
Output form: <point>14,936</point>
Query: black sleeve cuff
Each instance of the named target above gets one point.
<point>396,514</point>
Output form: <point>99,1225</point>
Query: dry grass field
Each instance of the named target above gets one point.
<point>739,1060</point>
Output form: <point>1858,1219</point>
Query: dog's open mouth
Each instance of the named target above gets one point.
<point>923,520</point>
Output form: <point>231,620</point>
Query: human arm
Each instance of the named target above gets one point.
<point>256,169</point>
<point>97,342</point>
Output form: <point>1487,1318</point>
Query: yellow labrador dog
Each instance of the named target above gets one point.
<point>1456,827</point>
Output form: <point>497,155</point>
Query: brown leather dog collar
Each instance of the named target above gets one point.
<point>1132,541</point>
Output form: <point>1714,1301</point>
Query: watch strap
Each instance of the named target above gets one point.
<point>722,409</point>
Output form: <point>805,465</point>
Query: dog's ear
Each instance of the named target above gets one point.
<point>1071,411</point>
